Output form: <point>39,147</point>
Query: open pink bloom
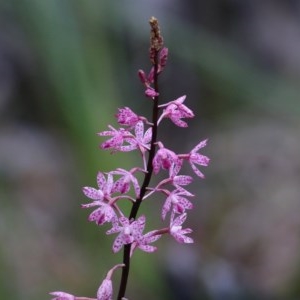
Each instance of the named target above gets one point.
<point>164,158</point>
<point>117,139</point>
<point>175,111</point>
<point>179,203</point>
<point>104,213</point>
<point>143,241</point>
<point>102,196</point>
<point>62,296</point>
<point>122,185</point>
<point>198,159</point>
<point>140,140</point>
<point>128,232</point>
<point>176,229</point>
<point>105,188</point>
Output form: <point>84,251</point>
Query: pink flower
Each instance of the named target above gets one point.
<point>175,111</point>
<point>122,185</point>
<point>176,229</point>
<point>140,140</point>
<point>164,158</point>
<point>143,241</point>
<point>104,213</point>
<point>179,203</point>
<point>62,296</point>
<point>102,198</point>
<point>127,117</point>
<point>128,232</point>
<point>105,188</point>
<point>195,158</point>
<point>117,139</point>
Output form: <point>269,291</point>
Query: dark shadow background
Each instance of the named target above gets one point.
<point>65,67</point>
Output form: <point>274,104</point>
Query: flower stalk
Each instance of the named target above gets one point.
<point>115,186</point>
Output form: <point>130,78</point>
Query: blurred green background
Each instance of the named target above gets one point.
<point>65,68</point>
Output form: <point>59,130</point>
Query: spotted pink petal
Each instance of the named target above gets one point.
<point>166,207</point>
<point>93,193</point>
<point>176,229</point>
<point>139,130</point>
<point>62,296</point>
<point>199,146</point>
<point>182,180</point>
<point>101,181</point>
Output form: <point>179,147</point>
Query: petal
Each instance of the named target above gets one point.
<point>179,122</point>
<point>92,204</point>
<point>124,221</point>
<point>182,179</point>
<point>166,207</point>
<point>179,220</point>
<point>148,136</point>
<point>96,214</point>
<point>138,226</point>
<point>197,172</point>
<point>118,243</point>
<point>199,159</point>
<point>185,203</point>
<point>139,130</point>
<point>121,186</point>
<point>199,146</point>
<point>136,186</point>
<point>62,296</point>
<point>128,148</point>
<point>107,133</point>
<point>148,248</point>
<point>109,184</point>
<point>93,193</point>
<point>156,162</point>
<point>101,181</point>
<point>180,100</point>
<point>116,228</point>
<point>182,238</point>
<point>175,168</point>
